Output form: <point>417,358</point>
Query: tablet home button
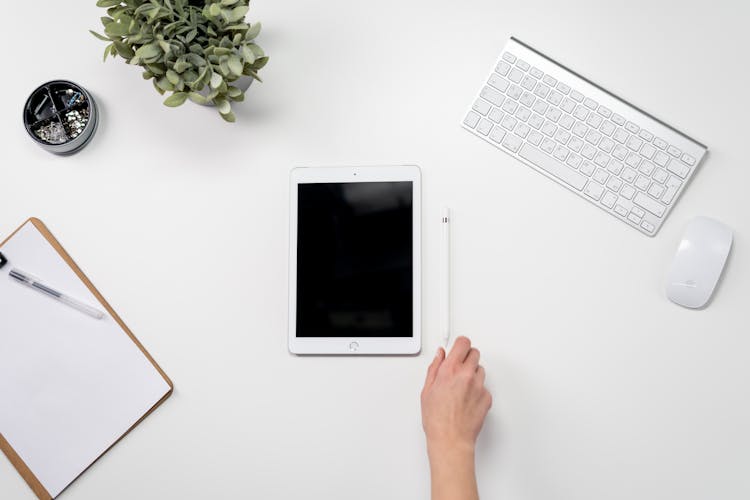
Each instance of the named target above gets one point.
<point>353,346</point>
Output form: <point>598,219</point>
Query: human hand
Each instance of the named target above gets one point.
<point>455,401</point>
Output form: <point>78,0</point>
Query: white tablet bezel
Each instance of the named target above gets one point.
<point>357,345</point>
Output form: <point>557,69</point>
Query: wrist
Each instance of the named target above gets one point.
<point>450,453</point>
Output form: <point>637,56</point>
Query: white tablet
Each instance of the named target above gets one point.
<point>354,260</point>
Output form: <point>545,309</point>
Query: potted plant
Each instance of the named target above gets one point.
<point>194,49</point>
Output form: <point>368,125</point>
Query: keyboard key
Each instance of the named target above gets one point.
<point>575,144</point>
<point>555,98</point>
<point>563,88</point>
<point>627,192</point>
<point>561,153</point>
<point>484,126</point>
<point>606,144</point>
<point>510,106</point>
<point>574,160</point>
<point>580,112</point>
<point>580,129</point>
<point>646,168</point>
<point>552,166</point>
<point>622,211</point>
<point>509,57</point>
<point>647,226</point>
<point>541,90</point>
<point>566,122</point>
<point>648,151</point>
<point>536,72</point>
<point>523,65</point>
<point>614,184</point>
<point>514,92</point>
<point>498,82</point>
<point>637,211</point>
<point>472,119</point>
<point>553,114</point>
<point>497,134</point>
<point>536,121</point>
<point>609,199</point>
<point>601,176</point>
<point>646,135</point>
<point>522,130</point>
<point>618,119</point>
<point>601,159</point>
<point>594,190</point>
<point>632,127</point>
<point>495,115</point>
<point>515,75</point>
<point>608,128</point>
<point>502,68</point>
<point>508,123</point>
<point>549,80</point>
<point>481,106</point>
<point>649,204</point>
<point>512,142</point>
<point>492,95</point>
<point>688,159</point>
<point>656,190</point>
<point>661,159</point>
<point>633,160</point>
<point>547,145</point>
<point>528,82</point>
<point>620,152</point>
<point>673,185</point>
<point>634,143</point>
<point>562,136</point>
<point>634,218</point>
<point>540,106</point>
<point>676,152</point>
<point>588,151</point>
<point>587,168</point>
<point>660,143</point>
<point>593,137</point>
<point>615,167</point>
<point>659,175</point>
<point>522,113</point>
<point>620,136</point>
<point>678,168</point>
<point>594,120</point>
<point>527,99</point>
<point>549,129</point>
<point>590,103</point>
<point>628,174</point>
<point>642,182</point>
<point>568,105</point>
<point>604,111</point>
<point>535,137</point>
<point>576,96</point>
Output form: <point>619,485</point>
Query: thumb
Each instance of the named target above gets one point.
<point>434,366</point>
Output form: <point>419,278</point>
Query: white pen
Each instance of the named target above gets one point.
<point>445,288</point>
<point>34,283</point>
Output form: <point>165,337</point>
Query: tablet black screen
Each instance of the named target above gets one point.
<point>354,260</point>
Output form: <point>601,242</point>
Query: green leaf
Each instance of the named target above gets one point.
<point>106,20</point>
<point>156,86</point>
<point>123,49</point>
<point>236,14</point>
<point>197,98</point>
<point>216,80</point>
<point>176,99</point>
<point>100,37</point>
<point>235,65</point>
<point>229,117</point>
<point>223,105</point>
<point>247,54</point>
<point>228,3</point>
<point>192,34</point>
<point>116,30</point>
<point>214,9</point>
<point>107,3</point>
<point>259,63</point>
<point>181,66</point>
<point>253,31</point>
<point>106,52</point>
<point>147,74</point>
<point>173,77</point>
<point>234,92</point>
<point>148,51</point>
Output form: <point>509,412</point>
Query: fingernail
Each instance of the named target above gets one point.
<point>437,353</point>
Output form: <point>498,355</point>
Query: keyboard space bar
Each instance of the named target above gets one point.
<point>552,166</point>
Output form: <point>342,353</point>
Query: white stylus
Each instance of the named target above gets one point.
<point>445,288</point>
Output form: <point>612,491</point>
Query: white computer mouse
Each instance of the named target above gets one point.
<point>699,262</point>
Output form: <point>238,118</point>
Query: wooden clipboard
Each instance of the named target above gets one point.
<point>14,458</point>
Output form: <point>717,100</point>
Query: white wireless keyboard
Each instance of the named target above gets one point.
<point>607,151</point>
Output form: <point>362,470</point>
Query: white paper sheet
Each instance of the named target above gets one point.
<point>70,385</point>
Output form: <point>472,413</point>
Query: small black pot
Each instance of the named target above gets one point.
<point>60,116</point>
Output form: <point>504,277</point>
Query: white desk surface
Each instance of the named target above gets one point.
<point>603,389</point>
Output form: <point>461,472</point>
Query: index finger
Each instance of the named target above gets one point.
<point>461,348</point>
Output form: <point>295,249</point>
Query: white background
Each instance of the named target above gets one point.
<point>603,389</point>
